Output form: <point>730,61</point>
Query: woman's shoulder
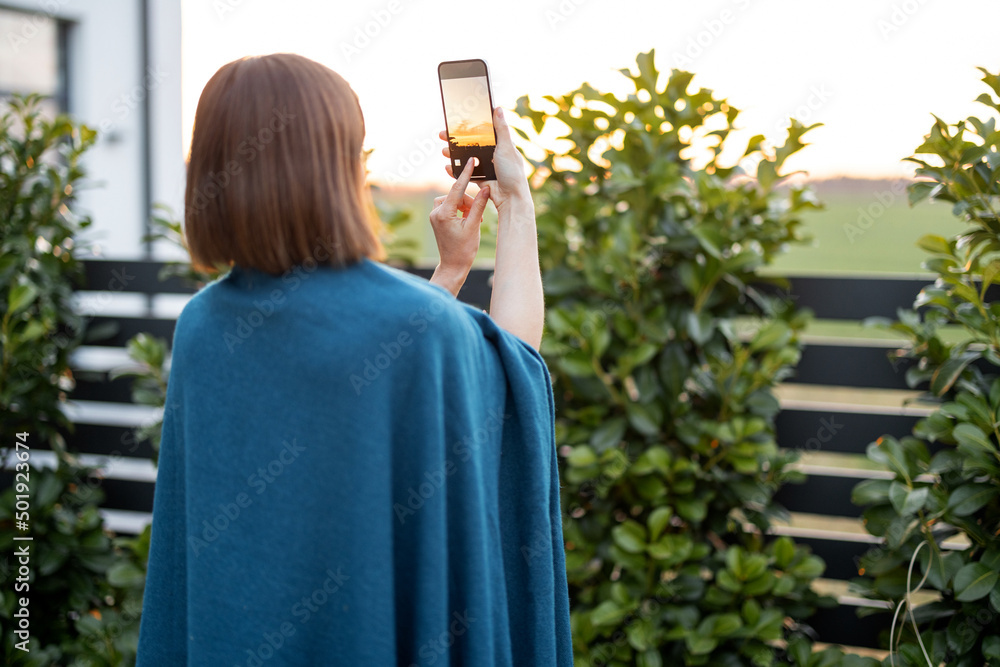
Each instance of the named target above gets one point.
<point>420,302</point>
<point>403,282</point>
<point>438,304</point>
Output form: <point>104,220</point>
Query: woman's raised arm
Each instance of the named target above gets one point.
<point>518,303</point>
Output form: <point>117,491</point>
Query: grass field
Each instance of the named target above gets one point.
<point>866,227</point>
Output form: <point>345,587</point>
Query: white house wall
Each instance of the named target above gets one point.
<point>107,87</point>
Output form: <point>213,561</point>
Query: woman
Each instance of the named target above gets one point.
<point>356,469</point>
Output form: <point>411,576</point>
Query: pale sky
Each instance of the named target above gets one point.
<point>871,70</point>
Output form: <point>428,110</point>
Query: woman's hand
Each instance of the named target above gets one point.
<point>457,237</point>
<point>511,185</point>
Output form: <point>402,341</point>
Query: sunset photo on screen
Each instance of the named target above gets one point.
<point>467,104</point>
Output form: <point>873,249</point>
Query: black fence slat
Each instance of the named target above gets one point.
<point>845,298</point>
<point>106,440</point>
<point>124,494</point>
<point>829,495</point>
<point>815,430</point>
<point>858,297</point>
<point>850,366</point>
<point>117,331</point>
<point>859,366</point>
<point>131,277</point>
<point>842,557</point>
<point>842,625</point>
<point>100,388</point>
<point>476,291</point>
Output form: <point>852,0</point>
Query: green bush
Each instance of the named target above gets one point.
<point>664,353</point>
<point>84,585</point>
<point>953,493</point>
<point>39,173</point>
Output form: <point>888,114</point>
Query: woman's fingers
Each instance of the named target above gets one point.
<point>461,183</point>
<point>462,205</point>
<point>454,201</point>
<point>472,208</point>
<point>478,205</point>
<point>446,151</point>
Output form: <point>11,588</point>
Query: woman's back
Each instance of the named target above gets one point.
<point>334,438</point>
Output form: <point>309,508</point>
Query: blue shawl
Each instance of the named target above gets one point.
<point>356,469</point>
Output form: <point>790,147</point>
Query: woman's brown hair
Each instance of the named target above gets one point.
<point>276,175</point>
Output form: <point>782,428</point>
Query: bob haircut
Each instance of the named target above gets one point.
<point>276,175</point>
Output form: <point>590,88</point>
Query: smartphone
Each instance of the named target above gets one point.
<point>468,116</point>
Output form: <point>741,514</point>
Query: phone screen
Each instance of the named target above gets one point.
<point>468,111</point>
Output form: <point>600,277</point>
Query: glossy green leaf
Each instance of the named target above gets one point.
<point>772,335</point>
<point>644,418</point>
<point>606,613</point>
<point>20,297</point>
<point>945,376</point>
<point>942,565</point>
<point>972,436</point>
<point>608,434</point>
<point>934,243</point>
<point>889,452</point>
<point>906,500</point>
<point>967,499</point>
<point>125,575</point>
<point>630,536</point>
<point>784,551</point>
<point>581,456</point>
<point>871,491</point>
<point>974,581</point>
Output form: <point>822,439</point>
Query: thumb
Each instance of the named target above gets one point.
<point>502,129</point>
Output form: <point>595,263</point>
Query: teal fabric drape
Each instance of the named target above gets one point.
<point>355,469</point>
